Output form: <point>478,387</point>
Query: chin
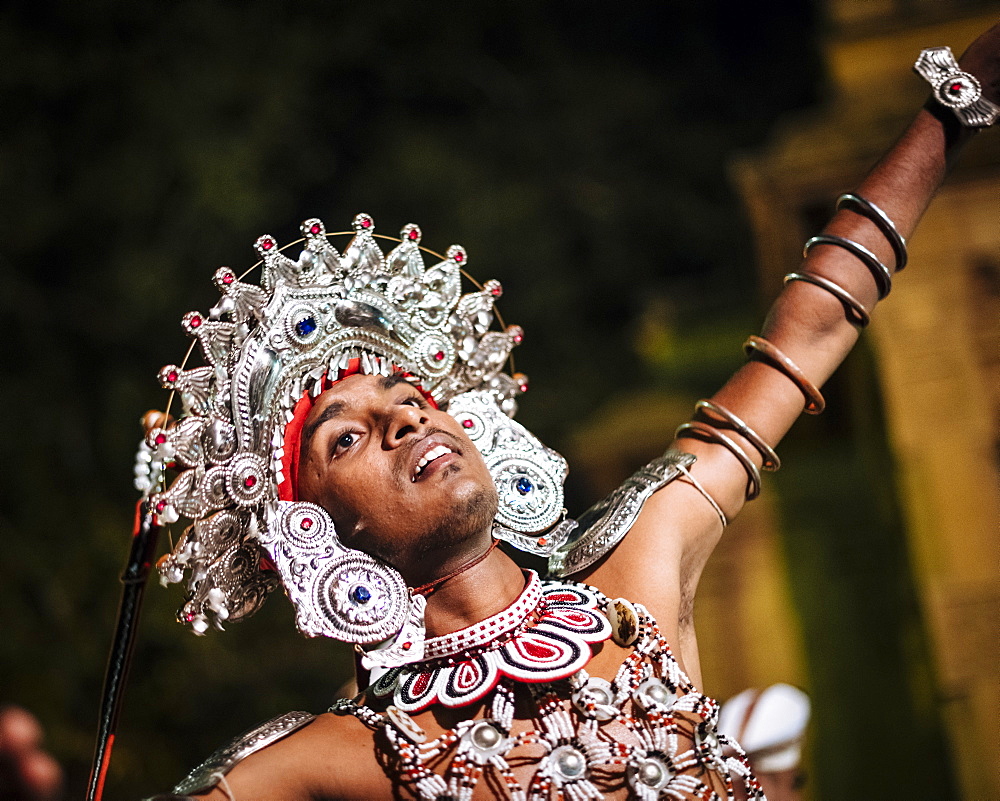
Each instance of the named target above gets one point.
<point>471,514</point>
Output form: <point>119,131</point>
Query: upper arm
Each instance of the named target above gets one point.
<point>331,757</point>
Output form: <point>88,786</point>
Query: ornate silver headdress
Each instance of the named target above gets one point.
<point>311,321</point>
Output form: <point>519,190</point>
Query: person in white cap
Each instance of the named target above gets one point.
<point>770,725</point>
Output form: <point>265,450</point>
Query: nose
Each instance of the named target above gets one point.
<point>405,422</point>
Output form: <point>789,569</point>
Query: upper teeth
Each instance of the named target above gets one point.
<point>430,456</point>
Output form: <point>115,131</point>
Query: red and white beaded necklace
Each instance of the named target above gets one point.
<point>545,635</point>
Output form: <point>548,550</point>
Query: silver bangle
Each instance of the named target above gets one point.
<point>690,479</point>
<point>767,454</point>
<point>955,89</point>
<point>712,434</point>
<point>881,274</point>
<point>866,208</point>
<point>861,317</point>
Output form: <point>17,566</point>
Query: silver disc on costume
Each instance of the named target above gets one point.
<point>306,529</point>
<point>528,476</point>
<point>218,441</point>
<point>246,479</point>
<point>220,530</point>
<point>531,496</point>
<point>362,600</point>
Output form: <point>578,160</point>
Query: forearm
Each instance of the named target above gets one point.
<point>811,326</point>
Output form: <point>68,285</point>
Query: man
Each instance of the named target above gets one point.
<point>485,683</point>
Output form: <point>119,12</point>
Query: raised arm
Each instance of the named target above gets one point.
<point>809,330</point>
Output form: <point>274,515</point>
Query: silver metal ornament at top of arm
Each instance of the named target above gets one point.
<point>605,524</point>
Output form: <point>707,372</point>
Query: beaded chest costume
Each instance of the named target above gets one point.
<point>648,730</point>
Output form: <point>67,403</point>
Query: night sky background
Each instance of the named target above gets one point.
<point>578,150</point>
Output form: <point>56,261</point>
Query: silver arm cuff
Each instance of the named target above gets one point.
<point>206,775</point>
<point>603,525</point>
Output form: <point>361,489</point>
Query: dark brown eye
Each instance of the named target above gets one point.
<point>345,440</point>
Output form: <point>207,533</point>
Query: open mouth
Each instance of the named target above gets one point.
<point>429,458</point>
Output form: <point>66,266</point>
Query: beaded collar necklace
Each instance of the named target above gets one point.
<point>545,635</point>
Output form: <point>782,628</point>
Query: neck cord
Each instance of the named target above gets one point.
<point>432,586</point>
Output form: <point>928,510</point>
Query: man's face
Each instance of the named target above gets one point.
<point>401,479</point>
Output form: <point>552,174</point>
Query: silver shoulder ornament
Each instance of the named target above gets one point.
<point>604,524</point>
<point>207,774</point>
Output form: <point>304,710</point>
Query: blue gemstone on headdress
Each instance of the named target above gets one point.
<point>361,595</point>
<point>305,326</point>
<point>524,486</point>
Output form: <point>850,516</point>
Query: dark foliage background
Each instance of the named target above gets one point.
<point>577,149</point>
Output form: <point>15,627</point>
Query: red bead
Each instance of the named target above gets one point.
<point>228,278</point>
<point>306,523</point>
<point>407,646</point>
<point>250,481</point>
<point>524,387</point>
<point>188,617</point>
<point>267,244</point>
<point>172,376</point>
<point>468,424</point>
<point>439,356</point>
<point>497,291</point>
<point>414,235</point>
<point>459,257</point>
<point>161,438</point>
<point>315,228</point>
<point>518,338</point>
<point>195,322</point>
<point>542,540</point>
<point>160,506</point>
<point>366,223</point>
<point>955,88</point>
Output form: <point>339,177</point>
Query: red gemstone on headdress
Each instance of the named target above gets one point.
<point>955,88</point>
<point>459,257</point>
<point>160,439</point>
<point>497,291</point>
<point>172,376</point>
<point>468,423</point>
<point>524,387</point>
<point>195,322</point>
<point>542,541</point>
<point>160,506</point>
<point>413,234</point>
<point>314,228</point>
<point>228,278</point>
<point>366,223</point>
<point>407,646</point>
<point>267,244</point>
<point>306,524</point>
<point>518,338</point>
<point>188,617</point>
<point>439,356</point>
<point>250,481</point>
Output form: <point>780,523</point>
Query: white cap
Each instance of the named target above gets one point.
<point>769,724</point>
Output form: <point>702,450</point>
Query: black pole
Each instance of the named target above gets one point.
<point>144,537</point>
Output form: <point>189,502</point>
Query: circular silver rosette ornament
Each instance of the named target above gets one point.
<point>269,348</point>
<point>529,476</point>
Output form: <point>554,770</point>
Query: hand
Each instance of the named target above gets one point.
<point>156,419</point>
<point>982,59</point>
<point>27,773</point>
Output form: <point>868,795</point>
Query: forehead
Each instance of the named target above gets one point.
<point>356,390</point>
